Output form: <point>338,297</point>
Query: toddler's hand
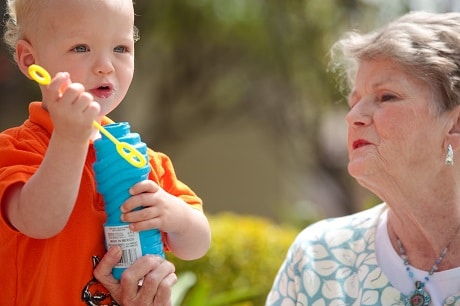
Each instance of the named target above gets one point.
<point>71,109</point>
<point>160,209</point>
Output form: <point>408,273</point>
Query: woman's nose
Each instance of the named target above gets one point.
<point>360,114</point>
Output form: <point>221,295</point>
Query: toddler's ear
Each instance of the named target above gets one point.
<point>25,56</point>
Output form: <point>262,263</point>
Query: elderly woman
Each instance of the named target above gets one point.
<point>403,137</point>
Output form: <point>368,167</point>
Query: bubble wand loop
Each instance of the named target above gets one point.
<point>127,151</point>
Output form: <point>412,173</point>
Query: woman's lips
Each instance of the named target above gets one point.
<point>360,143</point>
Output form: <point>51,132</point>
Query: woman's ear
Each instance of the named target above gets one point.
<point>25,56</point>
<point>454,133</point>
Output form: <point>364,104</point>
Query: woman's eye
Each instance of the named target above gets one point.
<point>387,97</point>
<point>81,49</point>
<point>120,49</point>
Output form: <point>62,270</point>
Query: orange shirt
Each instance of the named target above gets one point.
<point>59,270</point>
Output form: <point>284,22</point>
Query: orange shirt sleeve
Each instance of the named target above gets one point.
<point>21,153</point>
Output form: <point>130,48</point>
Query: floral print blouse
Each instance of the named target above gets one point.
<point>333,262</point>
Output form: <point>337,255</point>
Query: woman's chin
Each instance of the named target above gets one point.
<point>358,168</point>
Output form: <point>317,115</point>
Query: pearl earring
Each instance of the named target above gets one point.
<point>449,156</point>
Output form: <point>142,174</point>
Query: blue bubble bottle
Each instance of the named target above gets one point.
<point>114,177</point>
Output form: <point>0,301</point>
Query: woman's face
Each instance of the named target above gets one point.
<point>394,133</point>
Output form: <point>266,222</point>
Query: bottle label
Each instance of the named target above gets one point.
<point>127,240</point>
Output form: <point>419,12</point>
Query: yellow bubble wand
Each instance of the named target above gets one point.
<point>127,151</point>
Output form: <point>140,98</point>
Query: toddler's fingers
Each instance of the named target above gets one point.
<point>59,84</point>
<point>144,186</point>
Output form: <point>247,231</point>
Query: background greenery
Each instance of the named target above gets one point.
<point>241,265</point>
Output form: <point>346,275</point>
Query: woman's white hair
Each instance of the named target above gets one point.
<point>425,45</point>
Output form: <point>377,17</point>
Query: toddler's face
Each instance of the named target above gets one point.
<point>93,41</point>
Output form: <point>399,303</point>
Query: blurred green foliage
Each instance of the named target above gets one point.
<point>205,66</point>
<point>240,267</point>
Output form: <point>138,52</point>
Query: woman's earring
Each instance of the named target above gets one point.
<point>449,156</point>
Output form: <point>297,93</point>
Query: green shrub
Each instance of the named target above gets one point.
<point>239,269</point>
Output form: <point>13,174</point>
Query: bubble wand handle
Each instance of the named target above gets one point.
<point>127,151</point>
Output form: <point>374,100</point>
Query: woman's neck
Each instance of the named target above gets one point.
<point>425,234</point>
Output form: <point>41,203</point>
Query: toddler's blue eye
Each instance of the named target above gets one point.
<point>120,49</point>
<point>80,49</point>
